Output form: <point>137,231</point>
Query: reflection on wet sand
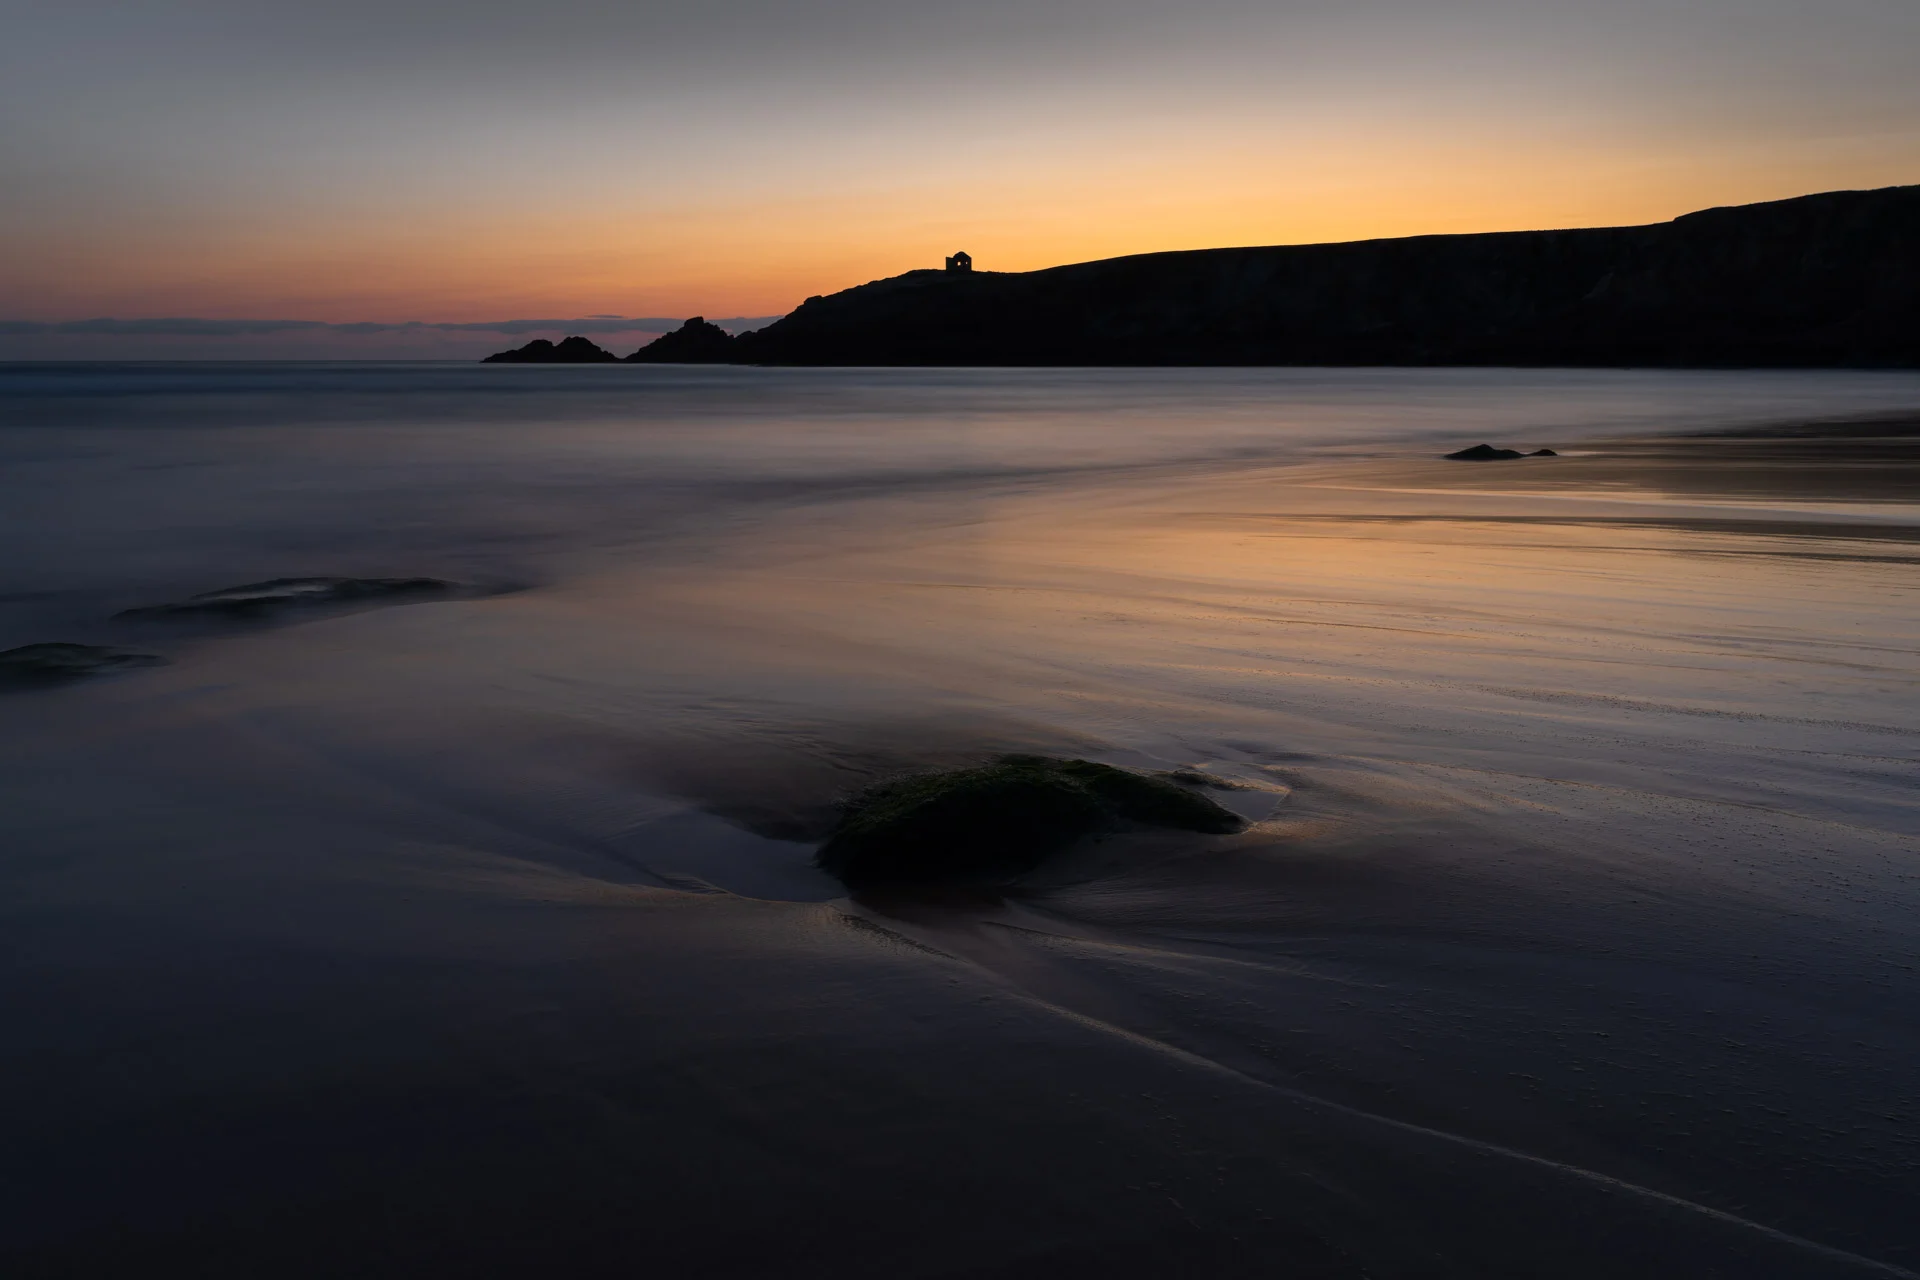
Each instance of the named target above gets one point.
<point>1859,460</point>
<point>1573,933</point>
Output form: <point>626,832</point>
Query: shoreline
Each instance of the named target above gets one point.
<point>480,936</point>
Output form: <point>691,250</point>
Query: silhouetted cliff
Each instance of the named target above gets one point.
<point>1829,279</point>
<point>695,342</point>
<point>574,350</point>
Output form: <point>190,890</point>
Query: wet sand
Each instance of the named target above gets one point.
<point>1576,934</point>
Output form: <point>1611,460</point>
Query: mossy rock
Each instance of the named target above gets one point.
<point>1000,820</point>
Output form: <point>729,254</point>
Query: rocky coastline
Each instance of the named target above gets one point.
<point>1820,281</point>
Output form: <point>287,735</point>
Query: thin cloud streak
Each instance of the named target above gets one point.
<point>187,326</point>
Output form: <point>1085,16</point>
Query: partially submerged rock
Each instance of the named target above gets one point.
<point>1487,453</point>
<point>1201,778</point>
<point>264,599</point>
<point>1000,820</point>
<point>56,662</point>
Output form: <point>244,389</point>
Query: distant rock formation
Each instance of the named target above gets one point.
<point>695,342</point>
<point>1825,280</point>
<point>1487,453</point>
<point>575,350</point>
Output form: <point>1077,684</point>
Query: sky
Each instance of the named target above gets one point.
<point>367,163</point>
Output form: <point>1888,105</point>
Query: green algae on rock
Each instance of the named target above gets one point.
<point>1000,820</point>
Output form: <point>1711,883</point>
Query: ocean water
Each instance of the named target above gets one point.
<point>1575,931</point>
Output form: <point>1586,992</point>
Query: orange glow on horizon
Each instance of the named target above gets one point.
<point>631,257</point>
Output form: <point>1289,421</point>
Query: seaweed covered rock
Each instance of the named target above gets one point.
<point>263,599</point>
<point>56,663</point>
<point>1000,820</point>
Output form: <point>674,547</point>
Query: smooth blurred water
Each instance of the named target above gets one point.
<point>480,936</point>
<point>119,481</point>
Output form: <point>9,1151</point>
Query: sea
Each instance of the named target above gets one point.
<point>1575,930</point>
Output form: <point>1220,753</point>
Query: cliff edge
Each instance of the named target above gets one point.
<point>1823,280</point>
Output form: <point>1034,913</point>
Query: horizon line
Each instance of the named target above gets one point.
<point>198,327</point>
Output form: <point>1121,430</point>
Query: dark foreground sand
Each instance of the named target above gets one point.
<point>1577,936</point>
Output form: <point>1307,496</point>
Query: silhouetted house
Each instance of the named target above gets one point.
<point>962,261</point>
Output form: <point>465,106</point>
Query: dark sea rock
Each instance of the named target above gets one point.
<point>575,350</point>
<point>57,663</point>
<point>1485,453</point>
<point>695,342</point>
<point>1829,280</point>
<point>1201,778</point>
<point>277,595</point>
<point>1000,820</point>
<point>1543,453</point>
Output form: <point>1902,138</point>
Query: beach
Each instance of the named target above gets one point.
<point>1574,932</point>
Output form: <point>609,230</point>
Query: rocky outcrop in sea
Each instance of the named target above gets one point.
<point>574,350</point>
<point>695,342</point>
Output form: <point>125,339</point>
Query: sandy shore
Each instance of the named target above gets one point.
<point>1576,937</point>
